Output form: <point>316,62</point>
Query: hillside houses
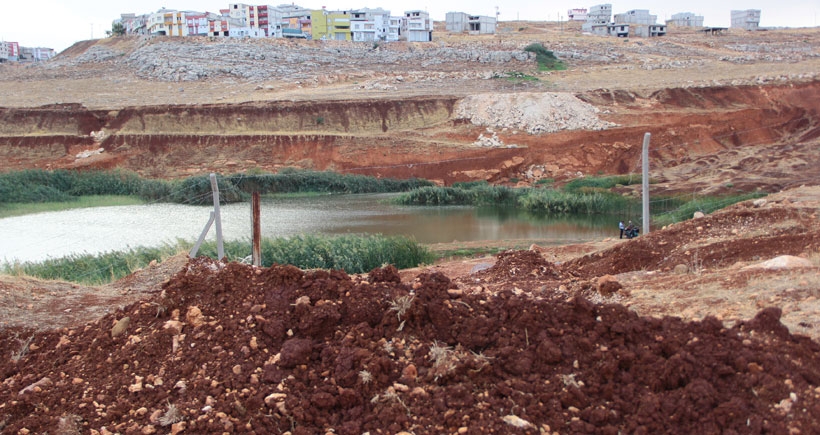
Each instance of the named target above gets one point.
<point>284,21</point>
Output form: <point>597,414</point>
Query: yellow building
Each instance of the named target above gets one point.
<point>330,25</point>
<point>168,22</point>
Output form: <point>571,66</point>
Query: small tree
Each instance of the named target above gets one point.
<point>117,29</point>
<point>545,58</point>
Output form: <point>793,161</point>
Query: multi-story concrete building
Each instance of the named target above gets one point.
<point>369,25</point>
<point>296,21</point>
<point>685,19</point>
<point>330,25</point>
<point>167,22</point>
<point>4,51</point>
<point>199,23</point>
<point>14,51</point>
<point>265,20</point>
<point>228,25</point>
<point>598,18</point>
<point>417,26</point>
<point>748,19</point>
<point>134,24</point>
<point>641,23</point>
<point>578,14</point>
<point>459,22</point>
<point>636,16</point>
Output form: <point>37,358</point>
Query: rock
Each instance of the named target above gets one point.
<point>37,386</point>
<point>194,316</point>
<point>760,202</point>
<point>698,215</point>
<point>782,262</point>
<point>516,421</point>
<point>120,327</point>
<point>607,285</point>
<point>681,269</point>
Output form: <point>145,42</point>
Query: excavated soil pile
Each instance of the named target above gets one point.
<point>229,348</point>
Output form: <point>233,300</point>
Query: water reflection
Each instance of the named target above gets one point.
<point>93,230</point>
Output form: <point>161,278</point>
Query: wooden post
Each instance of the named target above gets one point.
<point>645,166</point>
<point>256,230</point>
<point>220,248</point>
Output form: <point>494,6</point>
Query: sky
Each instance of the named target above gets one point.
<point>58,24</point>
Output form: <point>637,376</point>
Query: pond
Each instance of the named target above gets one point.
<point>93,230</point>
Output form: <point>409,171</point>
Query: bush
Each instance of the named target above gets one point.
<point>546,59</point>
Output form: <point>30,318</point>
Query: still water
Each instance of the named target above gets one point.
<point>93,230</point>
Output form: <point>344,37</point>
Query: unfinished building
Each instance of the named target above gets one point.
<point>685,19</point>
<point>641,23</point>
<point>460,22</point>
<point>598,18</point>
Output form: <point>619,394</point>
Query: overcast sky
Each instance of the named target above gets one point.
<point>57,23</point>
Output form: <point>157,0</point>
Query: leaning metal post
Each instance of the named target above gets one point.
<point>645,191</point>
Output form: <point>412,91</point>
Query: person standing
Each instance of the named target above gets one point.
<point>621,227</point>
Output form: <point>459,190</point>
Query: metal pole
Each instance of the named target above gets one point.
<point>220,248</point>
<point>256,230</point>
<point>199,241</point>
<point>645,192</point>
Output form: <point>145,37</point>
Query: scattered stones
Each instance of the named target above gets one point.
<point>542,112</point>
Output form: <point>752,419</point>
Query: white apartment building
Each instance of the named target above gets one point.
<point>748,19</point>
<point>167,22</point>
<point>369,25</point>
<point>261,20</point>
<point>4,51</point>
<point>417,26</point>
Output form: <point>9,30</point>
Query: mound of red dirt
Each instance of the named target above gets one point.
<point>230,348</point>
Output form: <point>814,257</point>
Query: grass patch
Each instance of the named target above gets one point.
<point>685,210</point>
<point>19,209</point>
<point>353,254</point>
<point>515,77</point>
<point>602,183</point>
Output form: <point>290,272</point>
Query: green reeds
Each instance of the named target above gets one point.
<point>36,185</point>
<point>93,269</point>
<point>553,202</point>
<point>353,254</point>
<point>465,194</point>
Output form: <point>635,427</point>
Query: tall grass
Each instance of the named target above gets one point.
<point>93,269</point>
<point>464,194</point>
<point>37,186</point>
<point>548,201</point>
<point>354,254</point>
